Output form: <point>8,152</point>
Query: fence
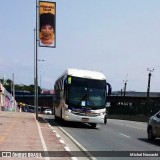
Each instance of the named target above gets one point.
<point>140,111</point>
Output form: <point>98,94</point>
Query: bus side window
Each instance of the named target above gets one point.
<point>65,95</point>
<point>56,97</point>
<point>65,91</point>
<point>61,94</point>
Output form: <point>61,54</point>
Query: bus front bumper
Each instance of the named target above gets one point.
<point>69,116</point>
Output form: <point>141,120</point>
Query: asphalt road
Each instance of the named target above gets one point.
<point>117,135</point>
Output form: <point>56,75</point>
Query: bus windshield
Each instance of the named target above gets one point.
<point>87,93</point>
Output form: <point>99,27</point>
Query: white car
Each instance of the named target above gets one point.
<point>153,128</point>
<point>48,111</point>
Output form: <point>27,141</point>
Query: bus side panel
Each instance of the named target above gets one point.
<point>57,105</point>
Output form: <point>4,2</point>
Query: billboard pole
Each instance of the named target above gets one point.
<point>34,66</point>
<point>46,31</point>
<point>36,58</point>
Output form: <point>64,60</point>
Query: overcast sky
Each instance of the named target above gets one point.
<point>117,37</point>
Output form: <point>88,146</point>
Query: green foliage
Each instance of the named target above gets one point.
<point>8,84</point>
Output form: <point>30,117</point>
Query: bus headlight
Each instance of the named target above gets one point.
<point>69,110</point>
<point>102,113</point>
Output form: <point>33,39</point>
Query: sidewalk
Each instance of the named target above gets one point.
<point>21,132</point>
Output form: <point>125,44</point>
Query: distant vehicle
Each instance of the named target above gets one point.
<point>48,111</point>
<point>30,108</point>
<point>80,96</point>
<point>153,128</point>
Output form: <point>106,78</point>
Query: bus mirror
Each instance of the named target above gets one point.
<point>109,88</point>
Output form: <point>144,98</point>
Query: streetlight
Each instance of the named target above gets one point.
<point>125,85</point>
<point>149,80</point>
<point>41,60</point>
<point>36,62</point>
<point>34,67</point>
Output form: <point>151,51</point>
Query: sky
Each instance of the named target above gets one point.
<point>120,38</point>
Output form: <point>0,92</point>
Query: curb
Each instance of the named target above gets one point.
<point>88,155</point>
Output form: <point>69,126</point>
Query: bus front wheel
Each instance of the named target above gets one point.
<point>105,119</point>
<point>93,125</point>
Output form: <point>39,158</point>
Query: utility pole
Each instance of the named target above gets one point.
<point>40,60</point>
<point>149,80</point>
<point>36,64</point>
<point>13,87</point>
<point>121,103</point>
<point>125,86</point>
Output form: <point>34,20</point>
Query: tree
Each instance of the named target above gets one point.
<point>20,87</point>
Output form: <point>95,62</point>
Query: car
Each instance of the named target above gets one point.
<point>48,111</point>
<point>153,127</point>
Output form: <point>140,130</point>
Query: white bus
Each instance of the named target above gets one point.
<point>80,96</point>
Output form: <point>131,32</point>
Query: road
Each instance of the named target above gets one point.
<point>117,135</point>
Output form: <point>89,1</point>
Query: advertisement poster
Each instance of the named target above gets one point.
<point>47,24</point>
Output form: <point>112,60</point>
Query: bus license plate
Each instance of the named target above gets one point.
<point>85,119</point>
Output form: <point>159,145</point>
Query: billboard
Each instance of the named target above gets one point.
<point>47,24</point>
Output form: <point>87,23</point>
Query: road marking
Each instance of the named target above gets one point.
<point>67,149</point>
<point>42,140</point>
<point>57,135</point>
<point>125,135</point>
<point>73,140</point>
<point>49,125</point>
<point>91,157</point>
<point>61,141</point>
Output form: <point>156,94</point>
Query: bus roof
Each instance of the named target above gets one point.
<point>85,74</point>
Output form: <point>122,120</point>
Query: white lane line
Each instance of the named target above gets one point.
<point>57,135</point>
<point>49,125</point>
<point>125,135</point>
<point>61,141</point>
<point>77,144</point>
<point>67,149</point>
<point>42,141</point>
